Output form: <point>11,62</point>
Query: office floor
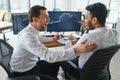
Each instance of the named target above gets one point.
<point>114,66</point>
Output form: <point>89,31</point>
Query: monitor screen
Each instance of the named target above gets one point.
<point>59,21</point>
<point>64,21</point>
<point>19,21</point>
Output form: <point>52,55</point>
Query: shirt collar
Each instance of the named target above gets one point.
<point>34,30</point>
<point>99,29</point>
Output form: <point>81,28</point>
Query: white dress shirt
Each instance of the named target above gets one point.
<point>29,47</point>
<point>102,37</point>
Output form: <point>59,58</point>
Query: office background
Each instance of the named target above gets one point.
<point>22,6</point>
<point>12,6</point>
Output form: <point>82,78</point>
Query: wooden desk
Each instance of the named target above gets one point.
<point>52,44</point>
<point>111,21</point>
<point>4,25</point>
<point>55,44</point>
<point>113,24</point>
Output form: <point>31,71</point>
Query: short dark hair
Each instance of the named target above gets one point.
<point>98,10</point>
<point>35,11</point>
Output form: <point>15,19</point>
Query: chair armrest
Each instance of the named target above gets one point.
<point>73,64</point>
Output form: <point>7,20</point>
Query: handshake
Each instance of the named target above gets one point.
<point>58,37</point>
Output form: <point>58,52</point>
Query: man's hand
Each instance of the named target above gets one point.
<point>82,47</point>
<point>71,37</point>
<point>56,37</point>
<point>84,24</point>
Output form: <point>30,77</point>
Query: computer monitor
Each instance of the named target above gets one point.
<point>19,21</point>
<point>64,21</point>
<point>60,21</point>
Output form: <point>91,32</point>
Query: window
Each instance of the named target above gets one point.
<point>19,6</point>
<point>3,5</point>
<point>36,2</point>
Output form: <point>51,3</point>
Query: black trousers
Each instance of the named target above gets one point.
<point>67,68</point>
<point>41,68</point>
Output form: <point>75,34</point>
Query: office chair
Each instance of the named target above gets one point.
<point>5,55</point>
<point>97,66</point>
<point>6,51</point>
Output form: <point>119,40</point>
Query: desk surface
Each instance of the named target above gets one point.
<point>55,44</point>
<point>111,21</point>
<point>5,25</point>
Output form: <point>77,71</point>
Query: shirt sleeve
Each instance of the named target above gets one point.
<point>90,40</point>
<point>68,44</point>
<point>45,39</point>
<point>35,47</point>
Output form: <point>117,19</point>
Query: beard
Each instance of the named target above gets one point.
<point>43,28</point>
<point>90,26</point>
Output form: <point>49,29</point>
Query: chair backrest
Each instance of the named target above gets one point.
<point>5,55</point>
<point>97,67</point>
<point>3,15</point>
